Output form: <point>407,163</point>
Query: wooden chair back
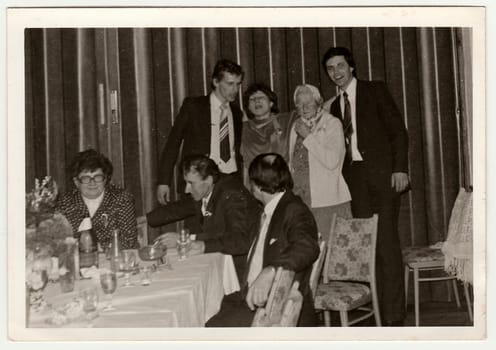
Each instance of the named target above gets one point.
<point>271,314</point>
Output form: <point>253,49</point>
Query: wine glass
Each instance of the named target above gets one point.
<point>108,281</point>
<point>128,264</point>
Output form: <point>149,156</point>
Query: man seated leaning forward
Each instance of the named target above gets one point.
<point>287,238</point>
<point>228,213</point>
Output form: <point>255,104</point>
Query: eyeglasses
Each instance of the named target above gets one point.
<point>306,106</point>
<point>254,99</point>
<point>87,179</point>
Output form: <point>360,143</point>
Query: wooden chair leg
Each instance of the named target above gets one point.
<point>327,318</point>
<point>469,303</point>
<point>416,295</point>
<point>343,315</point>
<point>455,291</point>
<point>407,277</point>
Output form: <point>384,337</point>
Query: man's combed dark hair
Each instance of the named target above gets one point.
<point>270,172</point>
<point>226,66</point>
<point>91,160</point>
<point>262,88</point>
<point>202,165</point>
<point>340,51</point>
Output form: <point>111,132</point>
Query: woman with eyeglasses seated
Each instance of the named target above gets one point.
<point>95,197</point>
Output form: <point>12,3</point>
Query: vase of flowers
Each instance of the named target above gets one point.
<point>49,241</point>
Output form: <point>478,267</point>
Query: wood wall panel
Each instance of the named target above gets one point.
<point>87,89</point>
<point>377,52</point>
<point>195,65</point>
<point>161,88</point>
<point>361,52</point>
<point>212,52</point>
<point>418,234</point>
<point>71,97</point>
<point>261,55</point>
<point>29,131</point>
<point>326,40</point>
<point>228,44</point>
<point>311,56</point>
<point>129,111</point>
<point>447,114</point>
<point>280,67</point>
<point>246,55</point>
<point>55,108</point>
<point>294,68</point>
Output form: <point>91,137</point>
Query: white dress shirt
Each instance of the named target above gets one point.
<point>351,91</point>
<point>215,113</point>
<point>257,260</point>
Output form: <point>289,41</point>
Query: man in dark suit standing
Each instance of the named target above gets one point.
<point>375,168</point>
<point>209,125</point>
<point>227,212</point>
<point>287,238</point>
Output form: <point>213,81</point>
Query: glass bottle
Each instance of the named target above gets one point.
<point>115,250</point>
<point>88,252</point>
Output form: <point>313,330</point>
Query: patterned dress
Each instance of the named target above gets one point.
<point>117,204</point>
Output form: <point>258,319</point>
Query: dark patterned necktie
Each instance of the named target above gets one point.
<point>225,148</point>
<point>347,126</point>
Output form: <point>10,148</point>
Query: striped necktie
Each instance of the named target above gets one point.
<point>225,148</point>
<point>347,126</point>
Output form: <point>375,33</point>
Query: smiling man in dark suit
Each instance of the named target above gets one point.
<point>375,168</point>
<point>287,238</point>
<point>209,125</point>
<point>227,212</point>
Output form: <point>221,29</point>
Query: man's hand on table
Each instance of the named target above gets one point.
<point>170,239</point>
<point>259,290</point>
<point>197,247</point>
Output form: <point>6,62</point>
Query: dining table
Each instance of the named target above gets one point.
<point>182,293</point>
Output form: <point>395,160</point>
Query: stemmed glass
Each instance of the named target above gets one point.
<point>108,281</point>
<point>128,264</point>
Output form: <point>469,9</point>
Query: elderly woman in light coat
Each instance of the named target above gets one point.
<point>316,155</point>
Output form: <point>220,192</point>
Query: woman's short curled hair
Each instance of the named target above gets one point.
<point>91,160</point>
<point>271,173</point>
<point>203,165</point>
<point>264,89</point>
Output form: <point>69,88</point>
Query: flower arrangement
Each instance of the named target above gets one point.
<point>49,237</point>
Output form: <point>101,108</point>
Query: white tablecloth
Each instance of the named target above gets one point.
<point>186,296</point>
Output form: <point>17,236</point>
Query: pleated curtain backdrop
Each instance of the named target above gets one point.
<point>119,90</point>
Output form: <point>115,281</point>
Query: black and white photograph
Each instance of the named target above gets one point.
<point>220,170</point>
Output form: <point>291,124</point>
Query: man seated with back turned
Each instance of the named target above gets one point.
<point>228,213</point>
<point>287,238</point>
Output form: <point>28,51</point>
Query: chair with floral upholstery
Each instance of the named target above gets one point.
<point>419,259</point>
<point>349,271</point>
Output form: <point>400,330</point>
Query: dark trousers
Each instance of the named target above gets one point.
<point>373,194</point>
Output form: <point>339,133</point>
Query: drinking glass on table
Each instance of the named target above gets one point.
<point>127,264</point>
<point>108,281</point>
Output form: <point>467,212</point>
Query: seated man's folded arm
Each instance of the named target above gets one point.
<point>172,212</point>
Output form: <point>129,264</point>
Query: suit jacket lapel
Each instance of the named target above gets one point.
<point>336,108</point>
<point>361,107</point>
<point>277,218</point>
<point>204,119</point>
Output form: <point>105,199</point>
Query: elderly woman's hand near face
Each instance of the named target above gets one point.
<point>301,128</point>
